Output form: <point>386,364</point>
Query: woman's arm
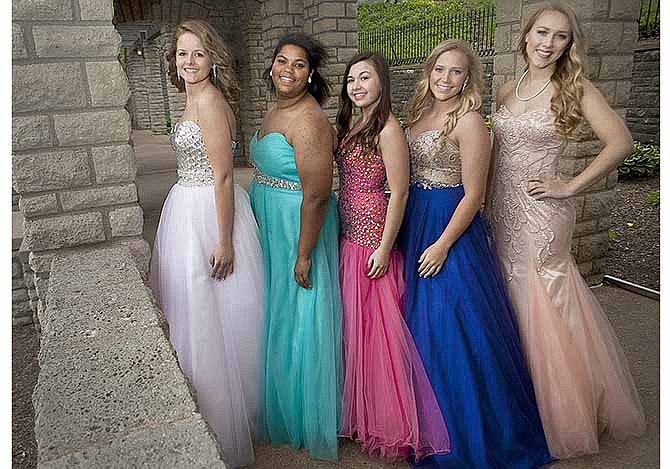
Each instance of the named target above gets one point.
<point>610,129</point>
<point>312,143</point>
<point>395,154</point>
<point>217,121</point>
<point>473,141</point>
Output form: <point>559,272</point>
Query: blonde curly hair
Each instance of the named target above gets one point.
<point>568,75</point>
<point>469,100</point>
<point>219,54</point>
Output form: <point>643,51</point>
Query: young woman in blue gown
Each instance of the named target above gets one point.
<point>456,304</point>
<point>291,197</point>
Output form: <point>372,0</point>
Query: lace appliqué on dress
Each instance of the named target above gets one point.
<point>434,164</point>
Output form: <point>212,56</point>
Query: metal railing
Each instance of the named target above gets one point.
<point>412,43</point>
<point>650,19</point>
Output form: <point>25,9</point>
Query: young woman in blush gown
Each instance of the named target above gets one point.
<point>581,378</point>
<point>301,377</point>
<point>388,404</point>
<point>456,305</point>
<point>206,260</point>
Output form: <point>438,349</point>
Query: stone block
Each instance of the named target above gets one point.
<point>344,54</point>
<point>333,39</point>
<point>37,172</point>
<point>76,41</point>
<point>98,197</point>
<point>352,39</point>
<point>352,10</point>
<point>508,11</point>
<point>126,221</point>
<point>593,246</point>
<point>503,39</point>
<point>616,67</point>
<point>18,44</point>
<point>590,10</point>
<point>585,228</point>
<point>21,310</point>
<point>598,204</point>
<point>93,127</point>
<point>624,10</point>
<point>64,231</point>
<point>41,286</point>
<point>603,37</point>
<point>347,24</point>
<point>504,64</point>
<point>608,89</point>
<point>324,24</point>
<point>332,9</point>
<point>20,295</point>
<point>622,93</point>
<point>108,83</point>
<point>629,37</point>
<point>40,262</point>
<point>38,87</point>
<point>30,132</point>
<point>36,10</point>
<point>100,10</point>
<point>114,164</point>
<point>582,149</point>
<point>17,271</point>
<point>187,443</point>
<point>39,205</point>
<point>140,252</point>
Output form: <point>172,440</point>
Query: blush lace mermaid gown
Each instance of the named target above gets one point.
<point>464,326</point>
<point>581,378</point>
<point>215,326</point>
<point>301,375</point>
<point>388,404</point>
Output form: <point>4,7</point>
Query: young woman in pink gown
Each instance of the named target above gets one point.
<point>581,378</point>
<point>388,403</point>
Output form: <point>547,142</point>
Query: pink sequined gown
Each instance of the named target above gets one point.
<point>581,377</point>
<point>388,404</point>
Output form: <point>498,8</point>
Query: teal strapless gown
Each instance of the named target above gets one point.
<point>301,382</point>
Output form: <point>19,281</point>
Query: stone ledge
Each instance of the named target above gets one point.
<point>110,392</point>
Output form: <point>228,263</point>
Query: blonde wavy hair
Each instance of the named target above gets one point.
<point>219,54</point>
<point>469,100</point>
<point>569,73</point>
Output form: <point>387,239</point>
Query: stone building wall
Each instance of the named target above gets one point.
<point>644,112</point>
<point>403,82</point>
<point>72,164</point>
<point>611,29</point>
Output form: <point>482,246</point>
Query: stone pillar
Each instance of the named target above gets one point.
<point>72,164</point>
<point>611,30</point>
<point>644,110</point>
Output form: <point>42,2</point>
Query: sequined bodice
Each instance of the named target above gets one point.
<point>362,201</point>
<point>434,163</point>
<point>193,167</point>
<point>527,146</point>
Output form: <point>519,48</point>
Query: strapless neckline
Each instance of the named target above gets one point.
<point>195,123</point>
<point>524,113</point>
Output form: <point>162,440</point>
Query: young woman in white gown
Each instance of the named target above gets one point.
<point>207,266</point>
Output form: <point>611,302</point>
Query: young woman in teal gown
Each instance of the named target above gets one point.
<point>297,216</point>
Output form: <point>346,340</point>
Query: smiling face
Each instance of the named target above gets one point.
<point>547,39</point>
<point>363,84</point>
<point>192,61</point>
<point>448,75</point>
<point>290,71</point>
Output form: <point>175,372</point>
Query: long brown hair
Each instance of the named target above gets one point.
<point>568,75</point>
<point>368,135</point>
<point>470,98</point>
<point>217,51</point>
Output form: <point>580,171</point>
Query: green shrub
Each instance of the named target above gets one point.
<point>654,198</point>
<point>644,161</point>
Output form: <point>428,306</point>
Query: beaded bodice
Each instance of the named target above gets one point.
<point>193,167</point>
<point>362,202</point>
<point>434,163</point>
<point>527,146</point>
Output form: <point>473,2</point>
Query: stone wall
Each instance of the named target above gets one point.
<point>403,82</point>
<point>611,29</point>
<point>110,392</point>
<point>644,112</point>
<point>72,165</point>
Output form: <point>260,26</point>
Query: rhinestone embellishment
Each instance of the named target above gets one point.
<point>277,183</point>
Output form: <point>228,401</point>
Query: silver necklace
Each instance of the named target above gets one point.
<point>516,90</point>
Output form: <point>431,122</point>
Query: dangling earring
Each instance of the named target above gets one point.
<point>270,72</point>
<point>465,83</point>
<point>214,71</point>
<point>179,75</point>
<point>309,78</point>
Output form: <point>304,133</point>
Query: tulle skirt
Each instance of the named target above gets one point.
<point>464,328</point>
<point>215,326</point>
<point>388,404</point>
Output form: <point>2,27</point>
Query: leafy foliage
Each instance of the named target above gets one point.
<point>644,161</point>
<point>377,16</point>
<point>654,199</point>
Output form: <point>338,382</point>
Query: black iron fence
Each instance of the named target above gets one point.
<point>411,44</point>
<point>650,19</point>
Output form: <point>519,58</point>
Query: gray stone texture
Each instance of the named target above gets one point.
<point>126,221</point>
<point>101,10</point>
<point>47,86</point>
<point>114,164</point>
<point>30,132</point>
<point>98,197</point>
<point>39,205</point>
<point>36,172</point>
<point>63,231</point>
<point>92,127</point>
<point>40,262</point>
<point>103,355</point>
<point>76,41</point>
<point>107,83</point>
<point>18,46</point>
<point>644,112</point>
<point>36,10</point>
